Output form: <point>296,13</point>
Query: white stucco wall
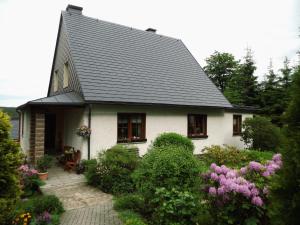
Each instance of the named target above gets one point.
<point>25,136</point>
<point>74,118</point>
<point>159,120</point>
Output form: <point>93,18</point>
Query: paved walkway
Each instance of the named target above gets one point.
<point>84,204</point>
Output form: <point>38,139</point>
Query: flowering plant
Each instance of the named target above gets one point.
<point>30,181</point>
<point>22,219</point>
<point>44,218</point>
<point>242,194</point>
<point>84,131</point>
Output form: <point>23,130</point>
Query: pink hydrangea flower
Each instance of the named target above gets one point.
<point>257,201</point>
<point>212,191</point>
<point>213,166</point>
<point>255,166</point>
<point>214,176</point>
<point>243,170</point>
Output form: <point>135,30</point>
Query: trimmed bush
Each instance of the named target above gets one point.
<point>173,139</point>
<point>260,134</point>
<point>133,202</point>
<point>167,167</point>
<point>112,173</point>
<point>10,160</point>
<point>174,207</point>
<point>38,205</point>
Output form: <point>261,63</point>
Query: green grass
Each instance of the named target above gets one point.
<point>129,217</point>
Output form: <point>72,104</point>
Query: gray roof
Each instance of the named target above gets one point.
<point>119,64</point>
<point>70,98</point>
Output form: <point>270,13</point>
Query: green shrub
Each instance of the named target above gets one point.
<point>112,173</point>
<point>233,157</point>
<point>167,167</point>
<point>260,134</point>
<point>174,207</point>
<point>133,202</point>
<point>227,155</point>
<point>173,139</point>
<point>37,206</point>
<point>40,204</point>
<point>131,218</point>
<point>10,160</point>
<point>44,163</point>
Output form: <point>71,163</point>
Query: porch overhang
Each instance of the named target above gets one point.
<point>65,99</point>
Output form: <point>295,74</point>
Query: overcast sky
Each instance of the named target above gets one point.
<point>28,31</point>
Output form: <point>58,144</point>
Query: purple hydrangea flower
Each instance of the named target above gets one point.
<point>214,176</point>
<point>255,166</point>
<point>243,170</point>
<point>212,191</point>
<point>213,166</point>
<point>221,190</point>
<point>257,201</point>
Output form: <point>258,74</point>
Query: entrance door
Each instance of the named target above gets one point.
<point>50,131</point>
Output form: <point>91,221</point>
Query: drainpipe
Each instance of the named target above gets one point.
<point>89,125</point>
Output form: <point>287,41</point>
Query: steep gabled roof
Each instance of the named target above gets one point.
<point>119,64</point>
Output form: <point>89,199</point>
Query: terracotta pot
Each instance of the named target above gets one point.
<point>43,176</point>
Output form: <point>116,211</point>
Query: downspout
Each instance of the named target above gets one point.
<point>89,125</point>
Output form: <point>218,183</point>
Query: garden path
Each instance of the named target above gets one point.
<point>84,204</point>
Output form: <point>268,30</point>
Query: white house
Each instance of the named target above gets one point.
<point>127,86</point>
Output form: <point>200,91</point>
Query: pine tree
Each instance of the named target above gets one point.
<point>271,97</point>
<point>285,192</point>
<point>242,88</point>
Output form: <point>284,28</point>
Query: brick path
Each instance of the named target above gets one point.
<point>84,204</point>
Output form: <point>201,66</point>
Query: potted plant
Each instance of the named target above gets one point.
<point>43,164</point>
<point>84,131</point>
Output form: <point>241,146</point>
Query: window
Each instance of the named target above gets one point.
<point>66,75</point>
<point>131,127</point>
<point>55,81</point>
<point>237,124</point>
<point>197,125</point>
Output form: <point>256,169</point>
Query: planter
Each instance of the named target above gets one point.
<point>43,176</point>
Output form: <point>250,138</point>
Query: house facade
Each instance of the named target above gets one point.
<point>127,86</point>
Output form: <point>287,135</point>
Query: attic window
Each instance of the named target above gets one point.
<point>55,81</point>
<point>66,75</point>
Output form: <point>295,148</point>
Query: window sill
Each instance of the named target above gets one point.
<point>237,134</point>
<point>198,137</point>
<point>136,141</point>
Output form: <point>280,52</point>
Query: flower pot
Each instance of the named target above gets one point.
<point>43,176</point>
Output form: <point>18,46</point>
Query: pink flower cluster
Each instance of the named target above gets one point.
<point>265,170</point>
<point>230,181</point>
<point>26,171</point>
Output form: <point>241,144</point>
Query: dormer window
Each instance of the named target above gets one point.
<point>55,81</point>
<point>66,75</point>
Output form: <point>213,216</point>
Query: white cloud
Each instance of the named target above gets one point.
<point>29,29</point>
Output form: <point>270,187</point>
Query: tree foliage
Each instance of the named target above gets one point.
<point>220,68</point>
<point>10,160</point>
<point>286,190</point>
<point>259,133</point>
<point>242,88</point>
